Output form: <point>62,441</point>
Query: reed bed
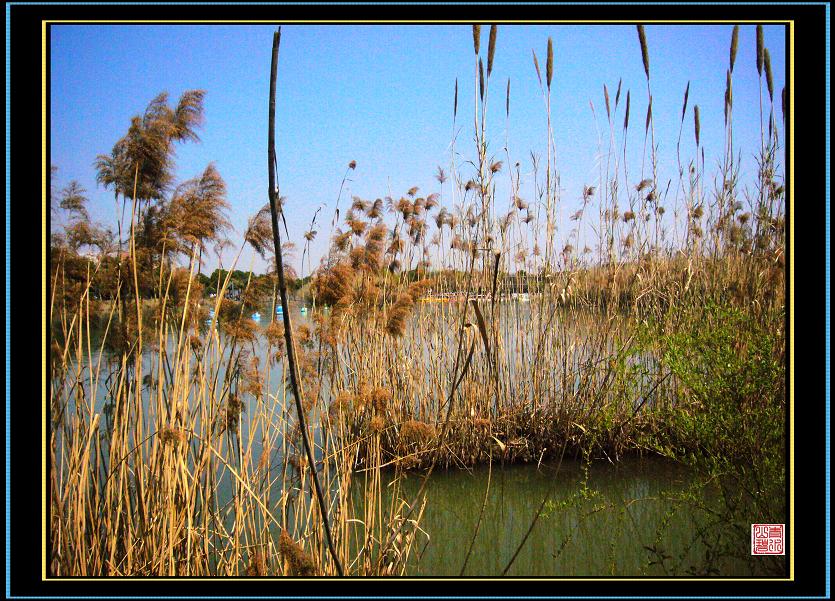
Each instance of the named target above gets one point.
<point>174,447</point>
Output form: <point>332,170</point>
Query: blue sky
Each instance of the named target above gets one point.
<point>382,95</point>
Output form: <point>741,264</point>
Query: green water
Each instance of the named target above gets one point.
<point>594,523</point>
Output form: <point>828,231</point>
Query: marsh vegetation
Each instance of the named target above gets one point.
<point>447,336</point>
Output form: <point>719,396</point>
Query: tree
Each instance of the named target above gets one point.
<point>74,201</point>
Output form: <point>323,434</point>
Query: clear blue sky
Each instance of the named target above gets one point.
<point>382,95</point>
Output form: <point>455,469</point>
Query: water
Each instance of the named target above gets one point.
<point>593,524</point>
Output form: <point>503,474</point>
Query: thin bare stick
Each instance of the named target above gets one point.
<point>282,287</point>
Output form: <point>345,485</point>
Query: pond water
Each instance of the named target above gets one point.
<point>595,522</point>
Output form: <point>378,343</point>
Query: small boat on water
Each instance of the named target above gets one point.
<point>304,310</point>
<point>279,309</point>
<point>256,316</point>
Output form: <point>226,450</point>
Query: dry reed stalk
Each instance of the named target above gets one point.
<point>271,165</point>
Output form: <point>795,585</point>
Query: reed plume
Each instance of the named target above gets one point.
<point>760,49</point>
<point>536,66</point>
<point>480,80</point>
<point>476,38</point>
<point>783,102</point>
<point>734,44</point>
<point>402,308</point>
<point>642,38</point>
<point>298,562</point>
<point>606,99</point>
<point>491,49</point>
<point>768,78</point>
<point>626,116</point>
<point>549,64</point>
<point>696,124</point>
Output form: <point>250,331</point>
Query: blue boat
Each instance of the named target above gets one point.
<point>304,310</point>
<point>279,309</point>
<point>256,316</point>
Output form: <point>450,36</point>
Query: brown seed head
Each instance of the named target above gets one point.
<point>476,37</point>
<point>734,43</point>
<point>760,49</point>
<point>696,125</point>
<point>768,79</point>
<point>507,100</point>
<point>491,49</point>
<point>480,80</point>
<point>455,102</point>
<point>536,66</point>
<point>299,563</point>
<point>642,38</point>
<point>626,116</point>
<point>606,98</point>
<point>549,64</point>
<point>783,103</point>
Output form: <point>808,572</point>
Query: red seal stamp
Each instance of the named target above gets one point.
<point>767,539</point>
